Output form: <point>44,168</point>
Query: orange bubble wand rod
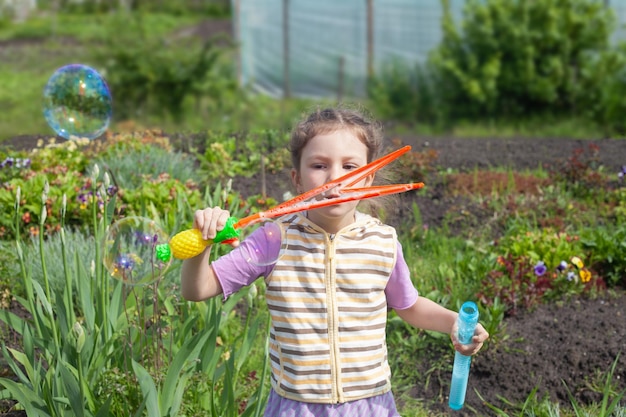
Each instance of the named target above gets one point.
<point>189,243</point>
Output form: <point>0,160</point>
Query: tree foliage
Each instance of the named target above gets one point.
<point>522,57</point>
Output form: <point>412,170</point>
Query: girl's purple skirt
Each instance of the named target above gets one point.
<point>382,405</point>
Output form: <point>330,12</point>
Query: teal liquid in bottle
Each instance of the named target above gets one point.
<point>467,320</point>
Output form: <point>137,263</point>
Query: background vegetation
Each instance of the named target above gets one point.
<point>91,345</point>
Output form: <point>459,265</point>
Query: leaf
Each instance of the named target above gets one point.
<point>174,383</point>
<point>83,285</point>
<point>33,404</point>
<point>104,410</point>
<point>25,362</point>
<point>15,322</point>
<point>17,370</point>
<point>44,300</point>
<point>150,394</point>
<point>71,383</point>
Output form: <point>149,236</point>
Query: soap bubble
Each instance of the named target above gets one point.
<point>129,251</point>
<point>77,102</point>
<point>264,250</point>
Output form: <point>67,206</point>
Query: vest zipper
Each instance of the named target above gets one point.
<point>333,333</point>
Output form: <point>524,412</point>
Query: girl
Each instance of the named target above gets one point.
<point>335,274</point>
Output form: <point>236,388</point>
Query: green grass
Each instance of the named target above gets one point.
<point>45,43</point>
<point>573,127</point>
<point>25,68</point>
<point>42,45</point>
<point>89,27</point>
<point>23,75</point>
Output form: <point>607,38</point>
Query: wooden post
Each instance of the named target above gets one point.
<point>286,82</point>
<point>237,33</point>
<point>340,76</point>
<point>263,179</point>
<point>370,38</point>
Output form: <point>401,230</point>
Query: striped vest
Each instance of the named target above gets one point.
<point>329,311</point>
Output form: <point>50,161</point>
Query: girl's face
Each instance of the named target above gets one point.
<point>325,158</point>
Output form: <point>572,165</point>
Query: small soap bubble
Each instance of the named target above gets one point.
<point>77,102</point>
<point>266,248</point>
<point>130,251</point>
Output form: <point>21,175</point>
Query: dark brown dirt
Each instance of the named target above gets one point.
<point>553,349</point>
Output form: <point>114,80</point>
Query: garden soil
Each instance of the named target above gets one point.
<point>551,350</point>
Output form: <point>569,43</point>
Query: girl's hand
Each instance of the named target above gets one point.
<point>480,336</point>
<point>210,221</point>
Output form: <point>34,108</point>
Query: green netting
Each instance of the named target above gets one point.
<point>328,42</point>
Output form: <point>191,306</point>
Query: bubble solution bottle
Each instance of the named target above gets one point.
<point>467,320</point>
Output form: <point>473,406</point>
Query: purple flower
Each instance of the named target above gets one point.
<point>540,268</point>
<point>124,262</point>
<point>562,266</point>
<point>571,276</point>
<point>145,238</point>
<point>22,163</point>
<point>112,190</point>
<point>83,198</point>
<point>8,162</point>
<point>622,172</point>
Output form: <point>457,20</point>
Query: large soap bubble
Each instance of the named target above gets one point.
<point>129,251</point>
<point>77,102</point>
<point>265,248</point>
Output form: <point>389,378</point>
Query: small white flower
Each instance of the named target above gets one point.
<point>18,197</point>
<point>95,173</point>
<point>106,180</point>
<point>44,194</point>
<point>64,205</point>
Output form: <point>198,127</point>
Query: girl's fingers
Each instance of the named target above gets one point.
<point>209,221</point>
<point>217,222</point>
<point>480,336</point>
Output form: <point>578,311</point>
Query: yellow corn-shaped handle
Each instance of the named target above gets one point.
<point>188,243</point>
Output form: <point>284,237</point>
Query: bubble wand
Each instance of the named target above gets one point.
<point>467,320</point>
<point>190,243</point>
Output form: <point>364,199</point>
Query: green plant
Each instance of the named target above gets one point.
<point>154,74</point>
<point>610,402</point>
<point>416,165</point>
<point>121,161</point>
<point>532,406</point>
<point>619,196</point>
<point>546,245</point>
<point>64,344</point>
<point>492,318</point>
<point>402,92</point>
<point>411,346</point>
<point>581,172</point>
<point>225,158</point>
<point>606,247</point>
<point>515,58</point>
<point>77,338</point>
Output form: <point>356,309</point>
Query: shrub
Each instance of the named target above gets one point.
<point>519,58</point>
<point>154,74</point>
<point>606,245</point>
<point>401,92</point>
